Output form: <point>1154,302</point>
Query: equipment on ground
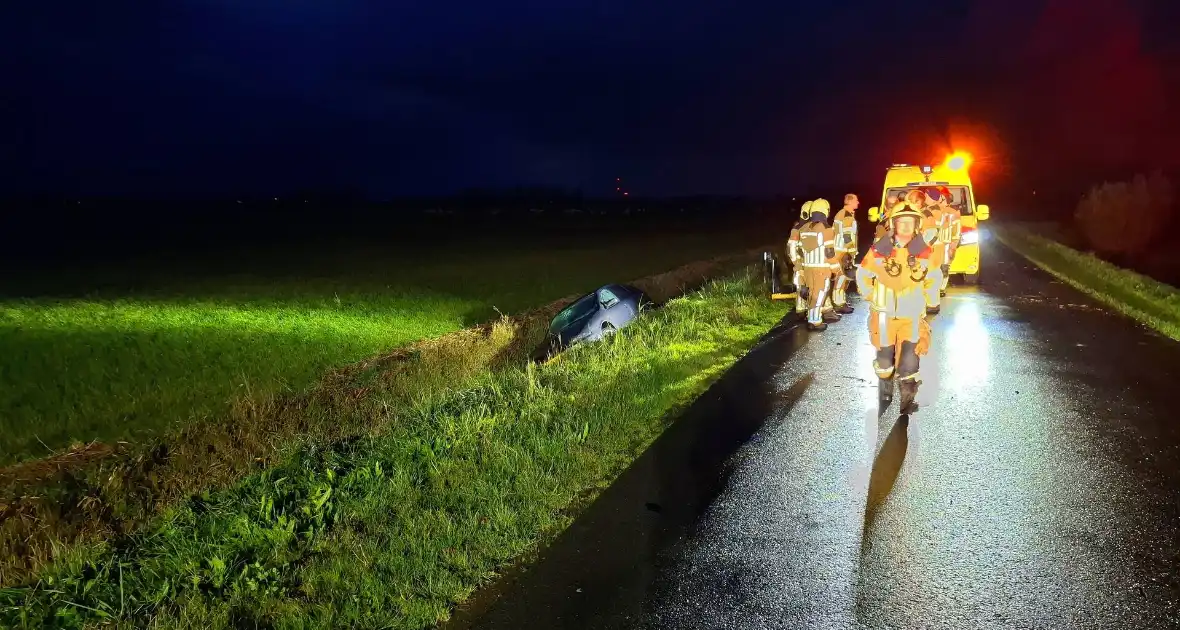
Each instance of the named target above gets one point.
<point>778,291</point>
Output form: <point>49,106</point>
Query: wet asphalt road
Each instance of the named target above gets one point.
<point>1037,487</point>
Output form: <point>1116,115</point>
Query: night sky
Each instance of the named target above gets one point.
<point>224,97</point>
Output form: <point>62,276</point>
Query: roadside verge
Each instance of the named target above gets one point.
<point>392,527</point>
<point>1148,301</point>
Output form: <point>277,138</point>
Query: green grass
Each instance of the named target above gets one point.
<point>393,529</point>
<point>1148,301</point>
<point>160,348</point>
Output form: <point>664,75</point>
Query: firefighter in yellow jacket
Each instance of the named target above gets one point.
<point>952,231</point>
<point>891,278</point>
<point>794,254</point>
<point>933,231</point>
<point>818,244</point>
<point>844,225</point>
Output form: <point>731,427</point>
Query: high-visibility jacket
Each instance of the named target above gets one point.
<point>933,232</point>
<point>891,277</point>
<point>952,230</point>
<point>846,231</point>
<point>793,252</point>
<point>817,244</point>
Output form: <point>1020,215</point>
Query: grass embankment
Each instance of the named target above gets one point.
<point>105,491</point>
<point>161,347</point>
<point>1148,301</point>
<point>392,529</point>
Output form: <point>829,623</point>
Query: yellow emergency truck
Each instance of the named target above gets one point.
<point>953,174</point>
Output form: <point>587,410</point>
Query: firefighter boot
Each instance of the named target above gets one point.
<point>933,310</point>
<point>845,309</point>
<point>909,390</point>
<point>884,393</point>
<point>831,316</point>
<point>820,327</point>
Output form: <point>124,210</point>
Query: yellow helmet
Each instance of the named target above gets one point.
<point>821,206</point>
<point>805,211</point>
<point>903,209</point>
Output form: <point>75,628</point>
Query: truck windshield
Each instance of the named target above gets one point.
<point>960,197</point>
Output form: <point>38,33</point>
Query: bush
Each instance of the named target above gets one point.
<point>1121,220</point>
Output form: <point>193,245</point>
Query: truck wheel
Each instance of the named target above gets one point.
<point>971,278</point>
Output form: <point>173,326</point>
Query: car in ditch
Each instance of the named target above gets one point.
<point>593,316</point>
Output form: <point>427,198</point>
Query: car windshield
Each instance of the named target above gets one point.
<point>585,305</point>
<point>960,196</point>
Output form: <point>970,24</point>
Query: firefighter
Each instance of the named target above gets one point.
<point>891,278</point>
<point>933,229</point>
<point>883,224</point>
<point>952,232</point>
<point>794,255</point>
<point>844,226</point>
<point>818,244</point>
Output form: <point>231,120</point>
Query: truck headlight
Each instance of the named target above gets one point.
<point>969,238</point>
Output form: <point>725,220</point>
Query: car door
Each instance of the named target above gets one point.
<point>616,309</point>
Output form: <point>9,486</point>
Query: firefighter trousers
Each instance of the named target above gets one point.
<point>800,288</point>
<point>932,286</point>
<point>840,283</point>
<point>946,276</point>
<point>899,341</point>
<point>819,286</point>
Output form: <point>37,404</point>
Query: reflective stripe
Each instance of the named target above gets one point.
<point>815,313</point>
<point>814,257</point>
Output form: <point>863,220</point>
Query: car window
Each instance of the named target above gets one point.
<point>585,305</point>
<point>607,298</point>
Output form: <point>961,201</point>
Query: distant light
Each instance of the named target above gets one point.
<point>626,193</point>
<point>276,198</point>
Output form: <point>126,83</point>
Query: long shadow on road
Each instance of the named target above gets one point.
<point>598,572</point>
<point>886,467</point>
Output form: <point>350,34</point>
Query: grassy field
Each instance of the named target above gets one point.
<point>1149,301</point>
<point>155,347</point>
<point>392,529</point>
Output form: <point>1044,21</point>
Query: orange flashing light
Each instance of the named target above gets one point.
<point>958,161</point>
